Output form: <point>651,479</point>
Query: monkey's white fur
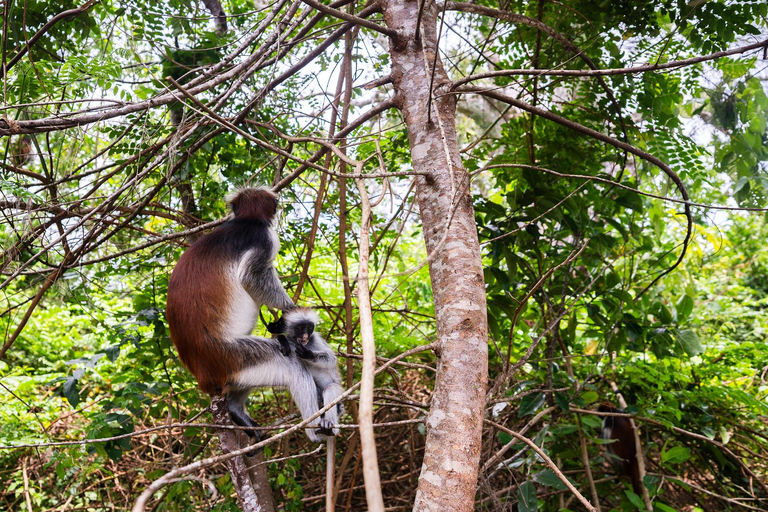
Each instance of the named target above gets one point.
<point>301,314</point>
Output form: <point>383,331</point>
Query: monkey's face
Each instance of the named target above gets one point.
<point>302,332</point>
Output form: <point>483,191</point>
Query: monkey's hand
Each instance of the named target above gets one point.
<point>276,327</point>
<point>303,352</point>
<point>285,346</point>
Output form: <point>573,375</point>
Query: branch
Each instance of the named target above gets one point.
<point>617,185</point>
<point>543,27</point>
<point>547,461</point>
<point>52,278</point>
<point>382,107</point>
<point>351,18</point>
<point>249,500</point>
<point>365,414</point>
<point>40,33</point>
<point>615,71</point>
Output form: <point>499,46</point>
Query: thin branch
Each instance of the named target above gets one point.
<point>554,34</point>
<point>619,185</point>
<point>614,71</point>
<point>44,29</point>
<point>351,18</point>
<point>584,501</point>
<point>365,415</point>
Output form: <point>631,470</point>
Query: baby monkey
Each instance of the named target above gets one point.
<point>298,339</point>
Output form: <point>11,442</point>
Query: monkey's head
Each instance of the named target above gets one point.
<point>608,407</point>
<point>300,324</point>
<point>254,203</point>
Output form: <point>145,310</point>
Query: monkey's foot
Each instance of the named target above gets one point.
<point>326,428</point>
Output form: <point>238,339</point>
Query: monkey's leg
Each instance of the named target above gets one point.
<point>331,393</point>
<point>271,368</point>
<point>326,423</point>
<point>236,406</point>
<point>306,397</point>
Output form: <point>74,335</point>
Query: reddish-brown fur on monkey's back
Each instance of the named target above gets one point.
<point>201,288</point>
<point>198,297</point>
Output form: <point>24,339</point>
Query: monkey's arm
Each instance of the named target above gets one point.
<point>304,353</point>
<point>285,346</point>
<point>261,282</point>
<point>324,359</point>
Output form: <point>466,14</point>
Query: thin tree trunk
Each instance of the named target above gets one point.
<point>248,475</point>
<point>448,479</point>
<point>259,475</point>
<point>371,477</point>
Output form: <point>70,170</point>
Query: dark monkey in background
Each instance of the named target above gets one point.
<point>214,297</point>
<point>623,448</point>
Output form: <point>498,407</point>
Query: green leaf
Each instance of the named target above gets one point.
<point>690,342</point>
<point>504,438</point>
<point>660,311</point>
<point>70,392</point>
<point>635,499</point>
<point>549,479</point>
<point>676,455</point>
<point>526,497</point>
<point>684,308</point>
<point>530,403</point>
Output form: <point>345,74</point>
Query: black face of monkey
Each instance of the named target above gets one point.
<point>301,332</point>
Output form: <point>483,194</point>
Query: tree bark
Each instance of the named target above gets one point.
<point>448,479</point>
<point>249,474</point>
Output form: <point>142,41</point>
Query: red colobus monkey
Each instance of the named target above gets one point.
<point>214,297</point>
<point>312,351</point>
<point>623,448</point>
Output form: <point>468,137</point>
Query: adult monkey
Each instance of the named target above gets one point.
<point>214,297</point>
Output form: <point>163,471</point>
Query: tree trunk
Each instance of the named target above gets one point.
<point>448,477</point>
<point>249,474</point>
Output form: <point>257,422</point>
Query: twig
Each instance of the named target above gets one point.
<point>615,71</point>
<point>45,28</point>
<point>330,478</point>
<point>547,461</point>
<point>27,496</point>
<point>351,18</point>
<point>617,185</point>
